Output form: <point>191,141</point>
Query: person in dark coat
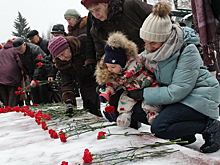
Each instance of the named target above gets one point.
<point>11,74</point>
<point>34,38</point>
<point>69,53</point>
<point>58,30</point>
<point>76,23</point>
<point>125,16</point>
<point>53,91</point>
<point>106,16</point>
<point>35,62</point>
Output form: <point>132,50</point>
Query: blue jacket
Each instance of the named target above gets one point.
<point>184,79</point>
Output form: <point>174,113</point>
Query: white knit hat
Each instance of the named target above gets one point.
<point>157,26</point>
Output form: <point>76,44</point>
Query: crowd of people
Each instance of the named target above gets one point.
<point>127,54</point>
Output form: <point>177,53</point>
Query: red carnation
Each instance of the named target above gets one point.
<point>37,82</point>
<point>46,117</point>
<point>38,120</point>
<point>40,57</point>
<point>17,92</point>
<point>87,157</point>
<point>64,163</point>
<point>54,135</point>
<point>39,64</point>
<point>62,136</point>
<point>109,109</point>
<point>51,132</point>
<point>101,135</point>
<point>44,125</point>
<point>19,88</point>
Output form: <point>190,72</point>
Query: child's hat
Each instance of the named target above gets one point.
<point>115,56</point>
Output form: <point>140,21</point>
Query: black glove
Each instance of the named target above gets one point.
<point>136,94</point>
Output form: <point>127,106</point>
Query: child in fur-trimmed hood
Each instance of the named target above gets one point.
<point>122,67</point>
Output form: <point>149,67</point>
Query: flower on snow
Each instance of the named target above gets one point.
<point>110,109</point>
<point>62,136</point>
<point>53,134</point>
<point>64,163</point>
<point>87,157</point>
<point>44,125</point>
<point>101,135</point>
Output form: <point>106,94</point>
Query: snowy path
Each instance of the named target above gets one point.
<point>23,142</point>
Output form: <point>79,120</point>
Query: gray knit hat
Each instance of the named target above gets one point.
<point>72,13</point>
<point>157,26</point>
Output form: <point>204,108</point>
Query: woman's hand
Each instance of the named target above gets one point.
<point>50,79</point>
<point>33,84</point>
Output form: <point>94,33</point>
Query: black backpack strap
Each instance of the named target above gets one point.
<point>181,50</point>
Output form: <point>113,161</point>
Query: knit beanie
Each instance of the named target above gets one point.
<point>72,13</point>
<point>115,56</point>
<point>87,2</point>
<point>57,45</point>
<point>157,26</point>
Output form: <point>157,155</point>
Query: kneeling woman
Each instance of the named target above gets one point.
<point>69,58</point>
<point>189,92</point>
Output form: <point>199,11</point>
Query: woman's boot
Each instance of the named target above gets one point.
<point>211,135</point>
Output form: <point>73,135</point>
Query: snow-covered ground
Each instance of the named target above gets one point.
<point>24,142</point>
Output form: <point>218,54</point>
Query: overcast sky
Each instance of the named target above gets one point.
<point>40,14</point>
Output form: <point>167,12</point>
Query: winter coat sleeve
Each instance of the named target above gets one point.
<point>67,80</point>
<point>182,81</point>
<point>19,62</point>
<point>90,45</point>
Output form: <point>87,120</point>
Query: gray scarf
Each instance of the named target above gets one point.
<point>173,43</point>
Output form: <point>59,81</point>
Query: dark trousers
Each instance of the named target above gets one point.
<point>174,121</point>
<point>90,97</point>
<point>8,95</point>
<point>41,94</point>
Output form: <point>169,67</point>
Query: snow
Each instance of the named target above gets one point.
<point>24,142</point>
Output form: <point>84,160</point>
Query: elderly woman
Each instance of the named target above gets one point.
<point>69,58</point>
<point>188,91</point>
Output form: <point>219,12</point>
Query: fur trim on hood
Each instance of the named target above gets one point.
<point>117,40</point>
<point>81,23</point>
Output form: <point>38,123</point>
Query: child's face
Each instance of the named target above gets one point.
<point>114,68</point>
